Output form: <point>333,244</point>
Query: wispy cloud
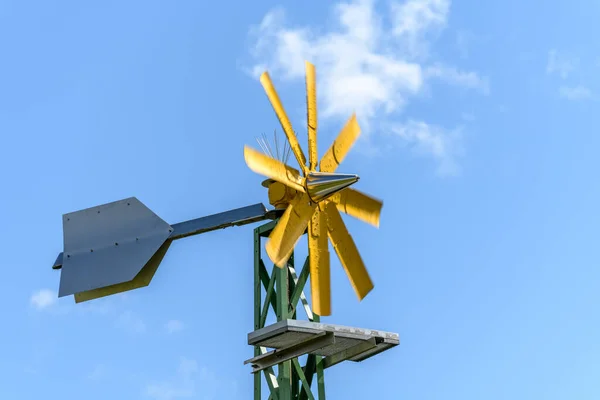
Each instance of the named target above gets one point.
<point>174,326</point>
<point>451,75</point>
<point>428,139</point>
<point>127,320</point>
<point>368,61</point>
<point>414,21</point>
<point>191,381</point>
<point>564,66</point>
<point>43,299</point>
<point>560,65</point>
<point>578,92</point>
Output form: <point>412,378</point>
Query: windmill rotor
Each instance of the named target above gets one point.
<point>313,199</point>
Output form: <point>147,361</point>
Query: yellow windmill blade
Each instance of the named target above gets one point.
<point>340,146</point>
<point>358,205</point>
<point>267,84</point>
<point>347,252</point>
<point>318,252</point>
<point>317,200</point>
<point>288,230</point>
<point>311,114</point>
<point>274,169</point>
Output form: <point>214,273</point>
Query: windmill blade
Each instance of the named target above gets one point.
<point>274,169</point>
<point>341,145</point>
<point>311,115</point>
<point>267,84</point>
<point>347,252</point>
<point>288,230</point>
<point>358,205</point>
<point>318,252</point>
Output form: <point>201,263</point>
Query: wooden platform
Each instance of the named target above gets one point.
<point>294,338</point>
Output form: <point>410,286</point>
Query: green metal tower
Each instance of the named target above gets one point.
<point>283,289</point>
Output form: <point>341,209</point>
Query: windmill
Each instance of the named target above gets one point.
<point>118,246</point>
<point>313,200</point>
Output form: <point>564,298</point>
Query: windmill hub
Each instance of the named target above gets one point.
<point>318,185</point>
<point>321,185</point>
<point>280,195</point>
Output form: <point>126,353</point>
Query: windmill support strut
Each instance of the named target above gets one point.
<point>324,345</point>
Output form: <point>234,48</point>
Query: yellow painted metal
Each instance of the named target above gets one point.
<point>274,169</point>
<point>287,189</point>
<point>110,290</point>
<point>358,205</point>
<point>347,252</point>
<point>318,252</point>
<point>280,195</point>
<point>311,114</point>
<point>341,145</point>
<point>267,84</point>
<point>288,230</point>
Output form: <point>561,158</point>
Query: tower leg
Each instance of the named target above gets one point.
<point>281,291</point>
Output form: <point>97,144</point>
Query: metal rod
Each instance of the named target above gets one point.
<point>346,354</point>
<point>276,144</point>
<point>281,355</point>
<point>262,146</point>
<point>268,145</point>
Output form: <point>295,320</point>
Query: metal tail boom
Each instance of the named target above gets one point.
<point>236,217</point>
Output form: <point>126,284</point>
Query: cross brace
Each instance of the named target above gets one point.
<point>283,291</point>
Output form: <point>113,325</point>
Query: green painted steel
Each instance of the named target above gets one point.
<point>282,294</point>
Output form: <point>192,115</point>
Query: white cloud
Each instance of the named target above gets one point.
<point>43,299</point>
<point>428,139</point>
<point>560,64</point>
<point>191,381</point>
<point>174,326</point>
<point>413,20</point>
<point>370,62</point>
<point>451,75</point>
<point>575,92</point>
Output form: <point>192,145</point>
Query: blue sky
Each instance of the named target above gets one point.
<point>478,133</point>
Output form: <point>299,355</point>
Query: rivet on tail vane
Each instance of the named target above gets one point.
<point>316,199</point>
